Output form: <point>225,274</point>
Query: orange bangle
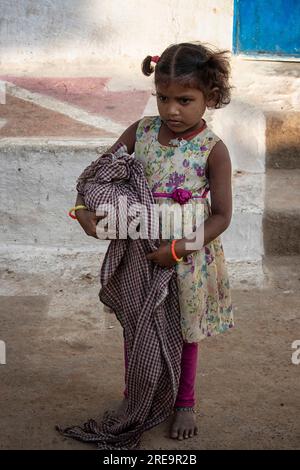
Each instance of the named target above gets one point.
<point>173,251</point>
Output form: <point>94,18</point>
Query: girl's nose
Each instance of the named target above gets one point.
<point>173,110</point>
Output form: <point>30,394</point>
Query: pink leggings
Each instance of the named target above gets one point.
<point>186,389</point>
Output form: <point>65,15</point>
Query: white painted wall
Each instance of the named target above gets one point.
<point>51,31</point>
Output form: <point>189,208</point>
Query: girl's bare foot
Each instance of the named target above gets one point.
<point>183,425</point>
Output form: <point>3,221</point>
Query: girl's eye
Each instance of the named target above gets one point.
<point>185,100</point>
<point>162,98</point>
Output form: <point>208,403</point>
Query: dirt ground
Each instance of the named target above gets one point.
<point>64,364</point>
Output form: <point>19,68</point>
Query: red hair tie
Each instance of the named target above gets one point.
<point>155,58</point>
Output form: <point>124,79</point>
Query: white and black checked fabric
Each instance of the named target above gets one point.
<point>144,297</point>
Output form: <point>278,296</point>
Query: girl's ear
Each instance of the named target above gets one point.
<point>212,97</point>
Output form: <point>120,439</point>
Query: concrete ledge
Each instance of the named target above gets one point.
<point>52,144</point>
<point>243,240</point>
<point>39,237</point>
<point>39,189</point>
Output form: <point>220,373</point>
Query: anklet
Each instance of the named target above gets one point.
<point>184,408</point>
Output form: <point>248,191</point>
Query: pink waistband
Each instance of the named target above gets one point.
<point>181,195</point>
<point>169,195</point>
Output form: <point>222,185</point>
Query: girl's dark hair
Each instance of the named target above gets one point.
<point>194,65</point>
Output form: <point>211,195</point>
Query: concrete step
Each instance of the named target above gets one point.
<point>282,273</point>
<point>281,221</point>
<point>283,140</point>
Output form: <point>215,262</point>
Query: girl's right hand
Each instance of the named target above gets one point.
<point>88,221</point>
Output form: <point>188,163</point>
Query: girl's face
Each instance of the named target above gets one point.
<point>180,107</point>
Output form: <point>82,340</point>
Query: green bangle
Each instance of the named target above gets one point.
<point>75,208</point>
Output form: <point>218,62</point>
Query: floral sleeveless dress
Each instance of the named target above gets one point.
<point>202,277</point>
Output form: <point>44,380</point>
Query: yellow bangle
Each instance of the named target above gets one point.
<point>75,208</point>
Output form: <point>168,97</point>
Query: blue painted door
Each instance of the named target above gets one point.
<point>267,28</point>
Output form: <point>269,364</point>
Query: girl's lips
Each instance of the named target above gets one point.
<point>174,123</point>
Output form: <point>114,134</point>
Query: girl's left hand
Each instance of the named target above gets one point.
<point>162,255</point>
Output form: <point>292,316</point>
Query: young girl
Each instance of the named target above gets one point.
<point>178,150</point>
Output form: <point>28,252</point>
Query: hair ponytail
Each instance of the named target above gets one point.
<point>216,73</point>
<point>147,68</point>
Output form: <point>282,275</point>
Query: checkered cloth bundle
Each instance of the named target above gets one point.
<point>144,297</point>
